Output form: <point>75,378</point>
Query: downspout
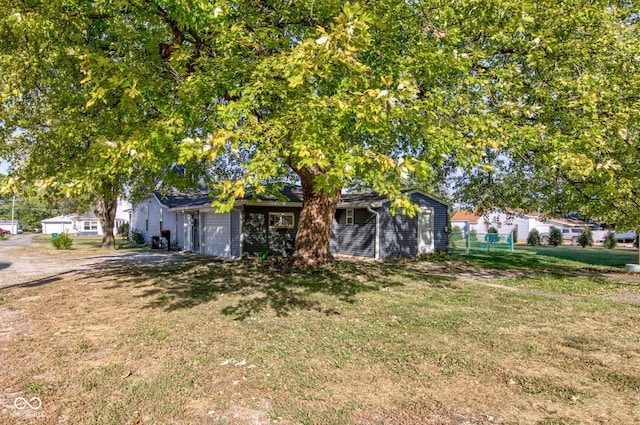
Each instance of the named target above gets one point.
<point>376,244</point>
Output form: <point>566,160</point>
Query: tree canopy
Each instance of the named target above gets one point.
<point>327,90</point>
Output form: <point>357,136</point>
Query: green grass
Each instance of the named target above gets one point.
<point>550,258</point>
<point>368,342</point>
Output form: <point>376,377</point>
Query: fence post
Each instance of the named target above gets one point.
<point>468,240</point>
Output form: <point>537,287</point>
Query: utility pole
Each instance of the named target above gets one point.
<point>13,208</point>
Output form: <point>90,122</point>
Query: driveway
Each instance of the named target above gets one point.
<point>21,267</point>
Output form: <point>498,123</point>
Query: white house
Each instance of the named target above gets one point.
<point>506,222</point>
<point>84,224</point>
<point>9,225</point>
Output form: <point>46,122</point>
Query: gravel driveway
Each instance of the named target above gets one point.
<point>22,267</point>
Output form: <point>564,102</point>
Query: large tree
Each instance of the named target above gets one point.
<point>578,148</point>
<point>327,90</point>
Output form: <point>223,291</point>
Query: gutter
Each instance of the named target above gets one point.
<point>376,245</point>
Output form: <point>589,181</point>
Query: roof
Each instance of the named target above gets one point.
<point>70,218</point>
<point>464,215</point>
<point>289,195</point>
<point>375,200</point>
<point>177,200</point>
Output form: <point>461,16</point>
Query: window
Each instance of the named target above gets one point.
<point>90,225</point>
<point>161,219</point>
<point>281,220</point>
<point>350,216</point>
<point>146,218</point>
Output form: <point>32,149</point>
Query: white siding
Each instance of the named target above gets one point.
<point>216,234</point>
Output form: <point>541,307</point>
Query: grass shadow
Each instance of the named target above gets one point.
<point>173,282</point>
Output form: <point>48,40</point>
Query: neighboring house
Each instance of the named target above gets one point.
<point>80,224</point>
<point>84,224</point>
<point>363,224</point>
<point>11,226</point>
<point>507,222</point>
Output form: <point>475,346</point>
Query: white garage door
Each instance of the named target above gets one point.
<point>216,234</point>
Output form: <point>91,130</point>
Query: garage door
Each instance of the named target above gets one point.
<point>216,234</point>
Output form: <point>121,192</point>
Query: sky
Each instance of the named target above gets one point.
<point>3,167</point>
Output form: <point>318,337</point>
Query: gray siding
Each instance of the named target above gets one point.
<point>235,234</point>
<point>399,233</point>
<point>257,236</point>
<point>169,220</point>
<point>356,239</point>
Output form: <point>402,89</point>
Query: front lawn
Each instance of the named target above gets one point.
<point>195,341</point>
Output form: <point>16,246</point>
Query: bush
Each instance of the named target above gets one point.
<point>473,235</point>
<point>555,236</point>
<point>586,238</point>
<point>492,235</point>
<point>123,231</point>
<point>62,241</point>
<point>514,234</point>
<point>136,237</point>
<point>610,241</point>
<point>534,237</point>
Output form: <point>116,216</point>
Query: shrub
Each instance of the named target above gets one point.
<point>473,235</point>
<point>3,236</point>
<point>136,237</point>
<point>555,236</point>
<point>492,235</point>
<point>586,237</point>
<point>62,241</point>
<point>534,237</point>
<point>610,241</point>
<point>514,234</point>
<point>123,230</point>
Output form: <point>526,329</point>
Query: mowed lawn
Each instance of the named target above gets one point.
<point>540,336</point>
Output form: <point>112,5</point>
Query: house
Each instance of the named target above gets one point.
<point>80,224</point>
<point>11,226</point>
<point>86,224</point>
<point>363,224</point>
<point>508,221</point>
<point>267,223</point>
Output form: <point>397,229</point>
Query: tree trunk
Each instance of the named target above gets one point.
<point>312,244</point>
<point>106,212</point>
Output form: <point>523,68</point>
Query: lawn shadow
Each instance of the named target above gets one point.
<point>173,282</point>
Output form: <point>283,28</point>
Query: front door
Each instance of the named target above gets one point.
<point>425,231</point>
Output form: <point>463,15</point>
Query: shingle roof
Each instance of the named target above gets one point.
<point>292,194</point>
<point>464,215</point>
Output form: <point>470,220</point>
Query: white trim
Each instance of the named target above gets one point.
<point>376,243</point>
<point>353,217</point>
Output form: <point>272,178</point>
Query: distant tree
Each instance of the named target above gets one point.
<point>533,238</point>
<point>586,237</point>
<point>610,240</point>
<point>555,236</point>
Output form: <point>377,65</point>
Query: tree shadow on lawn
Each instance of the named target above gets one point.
<point>188,282</point>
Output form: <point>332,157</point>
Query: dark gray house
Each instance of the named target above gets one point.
<point>364,226</point>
